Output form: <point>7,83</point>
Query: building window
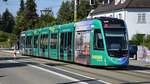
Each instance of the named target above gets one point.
<point>111,16</point>
<point>120,16</point>
<point>141,18</point>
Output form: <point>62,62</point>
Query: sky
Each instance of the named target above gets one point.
<point>14,5</point>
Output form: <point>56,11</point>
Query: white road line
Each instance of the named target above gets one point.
<point>76,74</point>
<point>12,61</point>
<point>49,71</point>
<point>73,79</point>
<point>58,74</point>
<point>147,72</point>
<point>104,82</point>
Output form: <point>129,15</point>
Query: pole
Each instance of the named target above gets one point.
<point>75,10</point>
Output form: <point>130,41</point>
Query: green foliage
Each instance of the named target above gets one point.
<point>83,9</point>
<point>22,7</point>
<point>31,17</point>
<point>141,39</point>
<point>7,39</point>
<point>65,13</point>
<point>138,39</point>
<point>8,22</point>
<point>146,41</point>
<point>46,20</point>
<point>21,22</point>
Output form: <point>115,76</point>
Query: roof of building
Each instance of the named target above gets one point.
<point>126,4</point>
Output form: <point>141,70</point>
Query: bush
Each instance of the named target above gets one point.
<point>7,39</point>
<point>141,39</point>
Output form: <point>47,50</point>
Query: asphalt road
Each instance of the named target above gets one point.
<point>30,70</point>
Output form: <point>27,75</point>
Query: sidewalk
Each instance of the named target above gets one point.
<point>131,61</point>
<point>139,63</point>
<point>9,51</point>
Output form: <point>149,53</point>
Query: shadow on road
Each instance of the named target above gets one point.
<point>147,82</point>
<point>11,58</point>
<point>129,67</point>
<point>14,64</point>
<point>2,76</point>
<point>56,64</point>
<point>11,65</point>
<point>76,82</point>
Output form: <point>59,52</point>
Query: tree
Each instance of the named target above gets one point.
<point>84,9</point>
<point>31,16</point>
<point>146,41</point>
<point>8,21</point>
<point>46,20</point>
<point>138,39</point>
<point>22,7</point>
<point>65,13</point>
<point>20,19</point>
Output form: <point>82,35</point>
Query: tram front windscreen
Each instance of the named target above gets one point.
<point>116,38</point>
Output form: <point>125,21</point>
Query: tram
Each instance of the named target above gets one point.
<point>96,42</point>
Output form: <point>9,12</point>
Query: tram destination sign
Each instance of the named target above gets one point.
<point>84,25</point>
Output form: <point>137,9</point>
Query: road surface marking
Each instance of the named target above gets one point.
<point>147,72</point>
<point>76,74</point>
<point>58,74</point>
<point>73,79</point>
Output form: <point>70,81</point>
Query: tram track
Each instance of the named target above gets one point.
<point>124,73</point>
<point>121,72</point>
<point>128,73</point>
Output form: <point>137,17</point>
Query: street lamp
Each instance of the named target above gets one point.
<point>75,10</point>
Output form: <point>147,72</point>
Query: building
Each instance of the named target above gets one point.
<point>136,14</point>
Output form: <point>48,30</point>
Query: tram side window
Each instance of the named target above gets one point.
<point>53,41</point>
<point>36,41</point>
<point>66,40</point>
<point>44,41</point>
<point>69,39</point>
<point>29,41</point>
<point>63,40</point>
<point>98,41</point>
<point>22,42</point>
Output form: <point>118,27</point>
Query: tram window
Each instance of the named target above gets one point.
<point>29,41</point>
<point>63,40</point>
<point>41,37</point>
<point>83,40</point>
<point>69,39</point>
<point>44,41</point>
<point>53,41</point>
<point>98,41</point>
<point>36,41</point>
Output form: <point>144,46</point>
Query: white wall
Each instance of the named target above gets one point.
<point>114,14</point>
<point>132,22</point>
<point>108,14</point>
<point>131,17</point>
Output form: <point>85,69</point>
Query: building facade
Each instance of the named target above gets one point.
<point>136,14</point>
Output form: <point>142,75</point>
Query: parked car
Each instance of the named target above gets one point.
<point>133,51</point>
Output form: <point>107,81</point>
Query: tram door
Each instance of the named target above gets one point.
<point>82,47</point>
<point>44,45</point>
<point>66,46</point>
<point>53,46</point>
